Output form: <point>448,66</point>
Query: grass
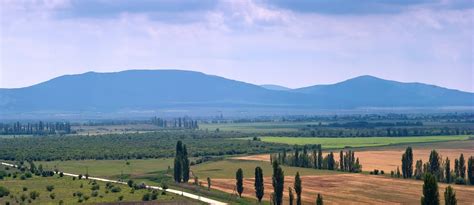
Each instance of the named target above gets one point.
<point>65,187</point>
<point>336,143</point>
<point>111,169</point>
<point>226,169</point>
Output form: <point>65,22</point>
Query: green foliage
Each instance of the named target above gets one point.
<point>298,188</point>
<point>470,170</point>
<point>34,195</point>
<point>50,188</point>
<point>450,196</point>
<point>319,200</point>
<point>430,191</point>
<point>259,185</point>
<point>278,180</point>
<point>239,176</point>
<point>407,163</point>
<point>291,196</point>
<point>4,191</point>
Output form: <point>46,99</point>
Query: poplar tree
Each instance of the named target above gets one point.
<point>291,196</point>
<point>447,170</point>
<point>298,188</point>
<point>319,200</point>
<point>178,166</point>
<point>450,196</point>
<point>430,191</point>
<point>185,164</point>
<point>407,163</point>
<point>462,167</point>
<point>259,187</point>
<point>278,181</point>
<point>470,170</point>
<point>239,175</point>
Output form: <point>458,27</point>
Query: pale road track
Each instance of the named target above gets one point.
<point>185,194</point>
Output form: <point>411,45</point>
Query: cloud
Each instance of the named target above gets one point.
<point>254,41</point>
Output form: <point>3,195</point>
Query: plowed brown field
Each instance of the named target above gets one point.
<point>351,189</point>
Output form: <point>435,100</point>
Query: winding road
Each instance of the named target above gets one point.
<point>185,194</point>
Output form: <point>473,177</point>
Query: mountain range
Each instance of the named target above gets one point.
<point>145,90</point>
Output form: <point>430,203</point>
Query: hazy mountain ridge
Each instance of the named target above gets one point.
<point>155,89</point>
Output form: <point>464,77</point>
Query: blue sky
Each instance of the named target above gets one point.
<point>293,43</point>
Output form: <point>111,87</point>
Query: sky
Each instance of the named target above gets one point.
<point>293,43</point>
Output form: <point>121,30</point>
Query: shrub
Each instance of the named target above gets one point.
<point>23,197</point>
<point>154,195</point>
<point>61,174</point>
<point>50,188</point>
<point>460,180</point>
<point>80,176</point>
<point>95,193</point>
<point>95,187</point>
<point>146,197</point>
<point>120,198</point>
<point>52,195</point>
<point>4,191</point>
<point>115,189</point>
<point>25,188</point>
<point>34,195</point>
<point>73,178</point>
<point>130,183</point>
<point>61,202</point>
<point>28,175</point>
<point>86,197</point>
<point>382,172</point>
<point>23,177</point>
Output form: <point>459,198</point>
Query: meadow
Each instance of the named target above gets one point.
<point>337,143</point>
<point>67,190</point>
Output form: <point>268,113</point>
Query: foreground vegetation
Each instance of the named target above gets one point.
<point>71,190</point>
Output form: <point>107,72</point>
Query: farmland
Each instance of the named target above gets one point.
<point>337,143</point>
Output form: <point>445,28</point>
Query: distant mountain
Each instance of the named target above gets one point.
<point>144,90</point>
<point>275,87</point>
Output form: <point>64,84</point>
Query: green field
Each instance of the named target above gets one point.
<point>336,143</point>
<point>111,169</point>
<point>256,127</point>
<point>226,169</point>
<point>65,187</point>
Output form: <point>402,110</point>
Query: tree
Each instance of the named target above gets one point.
<point>430,191</point>
<point>434,164</point>
<point>418,169</point>
<point>178,166</point>
<point>278,181</point>
<point>291,196</point>
<point>259,187</point>
<point>450,196</point>
<point>208,183</point>
<point>470,170</point>
<point>320,157</point>
<point>319,200</point>
<point>239,175</point>
<point>185,162</point>
<point>298,188</point>
<point>407,163</point>
<point>456,168</point>
<point>462,167</point>
<point>447,170</point>
<point>341,161</point>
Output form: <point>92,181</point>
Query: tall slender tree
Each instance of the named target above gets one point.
<point>407,163</point>
<point>470,170</point>
<point>319,200</point>
<point>462,167</point>
<point>298,188</point>
<point>434,164</point>
<point>320,157</point>
<point>259,187</point>
<point>447,170</point>
<point>430,191</point>
<point>450,196</point>
<point>341,161</point>
<point>291,196</point>
<point>456,168</point>
<point>239,176</point>
<point>278,181</point>
<point>185,162</point>
<point>178,163</point>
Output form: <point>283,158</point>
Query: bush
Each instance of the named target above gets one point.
<point>130,183</point>
<point>4,191</point>
<point>50,188</point>
<point>80,176</point>
<point>95,187</point>
<point>28,175</point>
<point>73,178</point>
<point>154,195</point>
<point>382,172</point>
<point>34,195</point>
<point>61,174</point>
<point>86,197</point>
<point>120,198</point>
<point>23,177</point>
<point>460,180</point>
<point>25,188</point>
<point>115,189</point>
<point>52,195</point>
<point>61,202</point>
<point>95,193</point>
<point>146,197</point>
<point>23,197</point>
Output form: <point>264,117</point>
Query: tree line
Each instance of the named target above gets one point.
<point>438,168</point>
<point>312,157</point>
<point>185,123</point>
<point>39,128</point>
<point>278,184</point>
